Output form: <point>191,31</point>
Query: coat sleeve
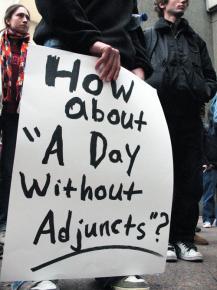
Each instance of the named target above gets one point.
<point>68,21</point>
<point>208,72</point>
<point>138,39</point>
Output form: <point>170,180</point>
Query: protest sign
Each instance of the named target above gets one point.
<point>92,180</point>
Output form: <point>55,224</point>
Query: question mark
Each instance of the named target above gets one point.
<point>164,224</point>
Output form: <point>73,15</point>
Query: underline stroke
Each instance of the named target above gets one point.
<point>64,257</point>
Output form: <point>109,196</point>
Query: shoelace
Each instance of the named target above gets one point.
<point>189,246</point>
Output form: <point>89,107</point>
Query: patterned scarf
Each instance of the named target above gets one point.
<point>5,63</point>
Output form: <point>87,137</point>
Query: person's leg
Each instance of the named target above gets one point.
<point>186,137</point>
<point>31,285</point>
<point>9,135</point>
<point>187,151</point>
<point>174,136</point>
<point>216,201</point>
<point>10,125</point>
<point>16,285</point>
<point>105,282</point>
<point>216,212</point>
<point>209,188</point>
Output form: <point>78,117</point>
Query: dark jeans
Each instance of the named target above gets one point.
<point>54,43</point>
<point>209,192</point>
<point>9,135</point>
<point>186,138</point>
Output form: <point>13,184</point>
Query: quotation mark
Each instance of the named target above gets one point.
<point>163,224</point>
<point>153,215</point>
<point>28,134</point>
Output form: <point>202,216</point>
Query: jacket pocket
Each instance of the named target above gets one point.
<point>195,77</point>
<point>157,78</point>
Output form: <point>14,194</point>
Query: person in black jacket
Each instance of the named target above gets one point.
<point>185,79</point>
<point>98,28</point>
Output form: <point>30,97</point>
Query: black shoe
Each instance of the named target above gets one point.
<point>197,230</point>
<point>198,240</point>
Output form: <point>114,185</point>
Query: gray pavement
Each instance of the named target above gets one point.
<point>178,276</point>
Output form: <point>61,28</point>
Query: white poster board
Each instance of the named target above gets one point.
<point>92,181</point>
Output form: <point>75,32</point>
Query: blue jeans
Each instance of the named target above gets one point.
<point>15,285</point>
<point>209,192</point>
<point>54,43</point>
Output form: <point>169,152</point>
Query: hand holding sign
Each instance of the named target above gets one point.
<point>108,65</point>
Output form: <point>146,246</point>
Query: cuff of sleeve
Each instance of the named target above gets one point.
<point>146,66</point>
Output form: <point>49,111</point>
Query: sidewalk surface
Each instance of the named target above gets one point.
<point>178,276</point>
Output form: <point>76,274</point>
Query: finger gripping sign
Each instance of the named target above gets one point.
<point>92,180</point>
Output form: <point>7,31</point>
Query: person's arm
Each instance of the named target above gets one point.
<point>142,64</point>
<point>208,72</point>
<point>139,72</point>
<point>69,23</point>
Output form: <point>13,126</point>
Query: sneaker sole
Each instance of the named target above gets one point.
<point>171,260</point>
<point>194,259</point>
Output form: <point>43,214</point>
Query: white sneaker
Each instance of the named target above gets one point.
<point>171,254</point>
<point>207,225</point>
<point>45,285</point>
<point>131,283</point>
<point>188,251</point>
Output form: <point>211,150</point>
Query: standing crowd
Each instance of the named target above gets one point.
<point>170,56</point>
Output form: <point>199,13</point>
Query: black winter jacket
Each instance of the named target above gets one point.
<point>79,23</point>
<point>183,73</point>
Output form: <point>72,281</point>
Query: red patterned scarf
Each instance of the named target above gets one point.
<point>5,62</point>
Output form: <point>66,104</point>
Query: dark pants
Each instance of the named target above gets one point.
<point>108,281</point>
<point>9,135</point>
<point>186,138</point>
